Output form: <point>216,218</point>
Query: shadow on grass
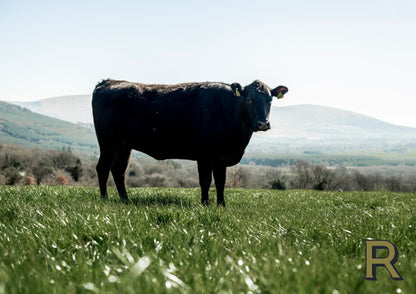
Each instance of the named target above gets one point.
<point>157,200</point>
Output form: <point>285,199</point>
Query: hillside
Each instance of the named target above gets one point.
<point>328,130</point>
<point>316,122</point>
<point>21,126</point>
<point>306,124</point>
<point>294,128</point>
<point>57,107</point>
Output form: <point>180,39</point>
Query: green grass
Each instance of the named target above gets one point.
<point>67,240</point>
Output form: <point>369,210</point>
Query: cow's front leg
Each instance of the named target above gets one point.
<point>219,177</point>
<point>205,179</point>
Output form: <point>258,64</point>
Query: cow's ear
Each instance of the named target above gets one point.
<point>279,92</point>
<point>237,89</point>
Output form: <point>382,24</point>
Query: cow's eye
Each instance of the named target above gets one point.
<point>249,100</point>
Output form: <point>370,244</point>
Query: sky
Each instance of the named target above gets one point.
<point>357,55</point>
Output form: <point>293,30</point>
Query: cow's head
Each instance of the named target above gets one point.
<point>259,98</point>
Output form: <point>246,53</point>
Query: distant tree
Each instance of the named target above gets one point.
<point>320,175</point>
<point>14,158</point>
<point>279,184</point>
<point>341,180</point>
<point>63,159</point>
<point>154,168</point>
<point>174,164</point>
<point>394,184</point>
<point>237,177</point>
<point>76,170</point>
<point>134,170</point>
<point>155,180</point>
<point>67,161</point>
<point>363,183</point>
<point>41,168</point>
<point>303,175</point>
<point>12,175</point>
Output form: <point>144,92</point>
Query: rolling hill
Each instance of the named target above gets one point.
<point>311,122</point>
<point>21,126</point>
<point>328,130</point>
<point>316,123</point>
<point>75,108</point>
<point>293,127</point>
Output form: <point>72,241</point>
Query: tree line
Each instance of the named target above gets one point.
<point>304,175</point>
<point>333,160</point>
<point>20,165</point>
<point>25,166</point>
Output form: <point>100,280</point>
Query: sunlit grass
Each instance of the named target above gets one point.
<point>67,240</point>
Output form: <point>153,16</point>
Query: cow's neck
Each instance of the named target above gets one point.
<point>247,121</point>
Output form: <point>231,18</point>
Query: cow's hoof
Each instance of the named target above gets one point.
<point>125,199</point>
<point>221,204</point>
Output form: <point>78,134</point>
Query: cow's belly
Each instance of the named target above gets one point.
<point>167,146</point>
<point>172,141</point>
<point>162,153</point>
<point>191,151</point>
<point>225,159</point>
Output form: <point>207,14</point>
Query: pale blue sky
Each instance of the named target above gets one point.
<point>357,55</point>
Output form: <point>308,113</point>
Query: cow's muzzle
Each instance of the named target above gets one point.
<point>262,125</point>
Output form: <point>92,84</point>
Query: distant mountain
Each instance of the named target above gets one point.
<point>75,108</point>
<point>325,123</point>
<point>300,125</point>
<point>21,126</point>
<point>326,129</point>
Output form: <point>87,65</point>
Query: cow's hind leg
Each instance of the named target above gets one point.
<point>103,170</point>
<point>219,177</point>
<point>119,168</point>
<point>205,179</point>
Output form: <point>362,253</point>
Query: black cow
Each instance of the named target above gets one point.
<point>211,123</point>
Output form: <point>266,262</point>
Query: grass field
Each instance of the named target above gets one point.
<point>67,240</point>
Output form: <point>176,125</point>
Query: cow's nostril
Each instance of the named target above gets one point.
<point>262,125</point>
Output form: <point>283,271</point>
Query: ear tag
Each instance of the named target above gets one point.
<point>237,93</point>
<point>280,95</point>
